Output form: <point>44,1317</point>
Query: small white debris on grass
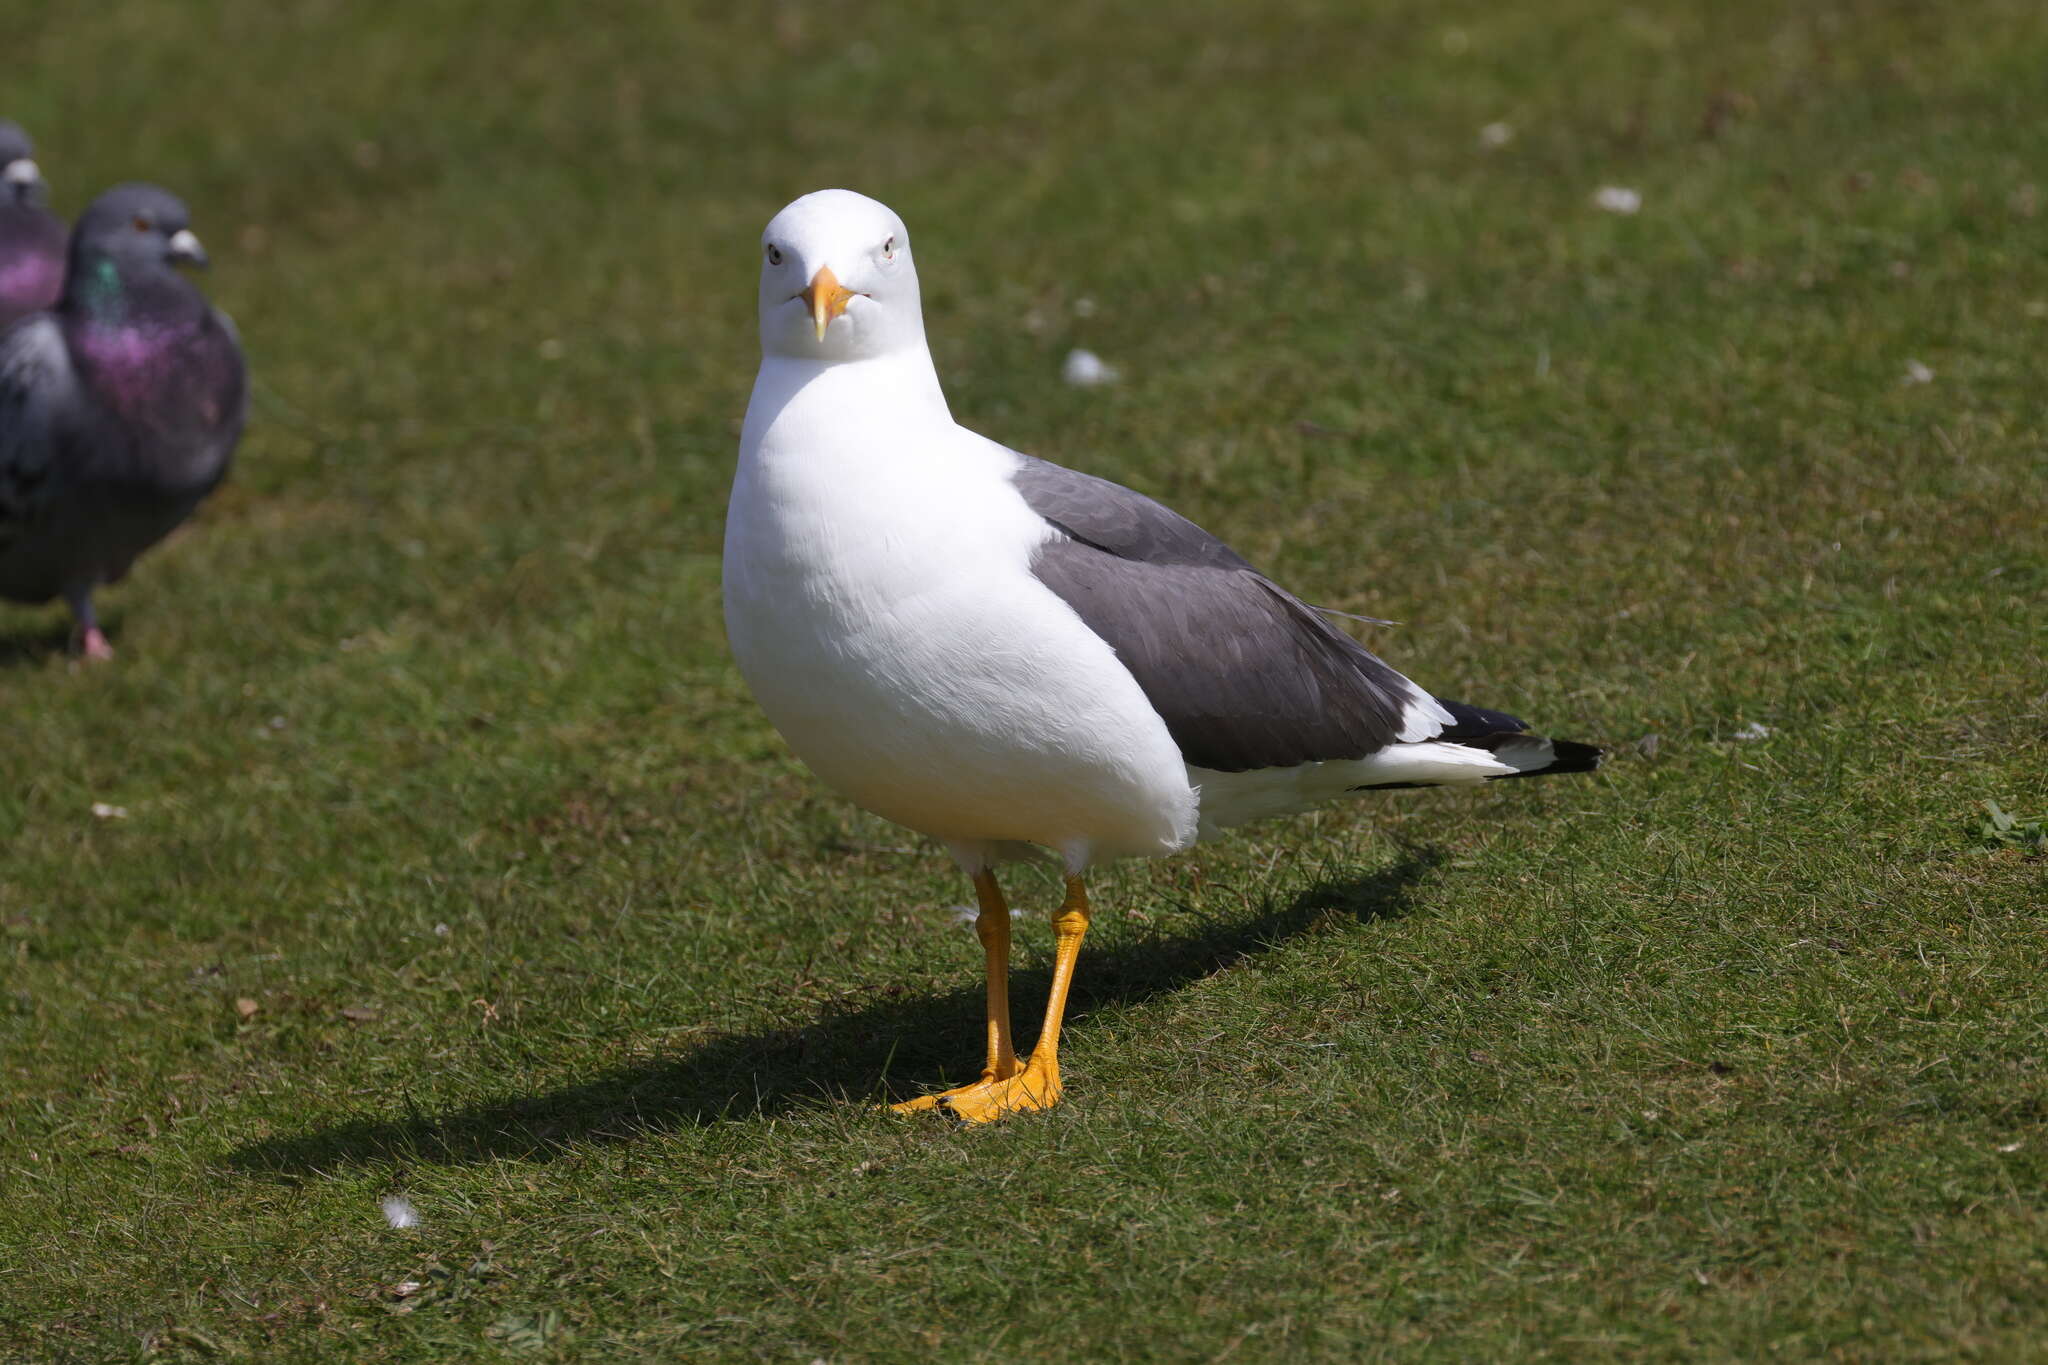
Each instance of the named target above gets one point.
<point>1496,135</point>
<point>1617,199</point>
<point>1086,370</point>
<point>102,811</point>
<point>399,1212</point>
<point>1916,373</point>
<point>1753,730</point>
<point>440,931</point>
<point>2008,1146</point>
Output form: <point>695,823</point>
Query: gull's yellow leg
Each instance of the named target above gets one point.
<point>992,927</point>
<point>1037,1086</point>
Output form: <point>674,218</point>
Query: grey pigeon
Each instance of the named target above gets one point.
<point>31,237</point>
<point>119,408</point>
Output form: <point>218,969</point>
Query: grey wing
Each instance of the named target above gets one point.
<point>38,395</point>
<point>1116,520</point>
<point>1244,674</point>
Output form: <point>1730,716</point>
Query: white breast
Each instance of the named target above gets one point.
<point>880,604</point>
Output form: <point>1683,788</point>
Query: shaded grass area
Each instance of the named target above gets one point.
<point>848,1051</point>
<point>455,863</point>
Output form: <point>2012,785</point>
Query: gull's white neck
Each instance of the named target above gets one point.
<point>801,403</point>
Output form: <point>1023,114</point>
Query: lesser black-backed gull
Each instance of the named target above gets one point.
<point>1002,653</point>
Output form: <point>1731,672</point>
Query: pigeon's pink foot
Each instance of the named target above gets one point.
<point>92,643</point>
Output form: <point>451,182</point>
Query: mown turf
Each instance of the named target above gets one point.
<point>431,753</point>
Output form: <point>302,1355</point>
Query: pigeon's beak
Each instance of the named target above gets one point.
<point>186,250</point>
<point>22,171</point>
<point>826,297</point>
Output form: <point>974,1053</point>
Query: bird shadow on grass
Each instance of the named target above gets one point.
<point>889,1047</point>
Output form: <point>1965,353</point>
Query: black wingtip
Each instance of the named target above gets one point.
<point>1572,757</point>
<point>1566,755</point>
<point>1497,731</point>
<point>1470,722</point>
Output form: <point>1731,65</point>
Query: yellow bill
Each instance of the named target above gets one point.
<point>826,298</point>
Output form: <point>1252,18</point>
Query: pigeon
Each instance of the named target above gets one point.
<point>1003,653</point>
<point>31,237</point>
<point>119,407</point>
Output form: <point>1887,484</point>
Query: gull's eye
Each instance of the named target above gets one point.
<point>775,255</point>
<point>889,250</point>
<point>140,224</point>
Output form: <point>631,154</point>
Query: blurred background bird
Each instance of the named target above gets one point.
<point>31,237</point>
<point>120,407</point>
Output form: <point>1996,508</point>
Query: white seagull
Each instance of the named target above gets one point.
<point>1002,653</point>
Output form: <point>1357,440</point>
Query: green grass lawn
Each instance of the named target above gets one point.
<point>457,865</point>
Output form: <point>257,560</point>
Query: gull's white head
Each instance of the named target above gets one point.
<point>837,281</point>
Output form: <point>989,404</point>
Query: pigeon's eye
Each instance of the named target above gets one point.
<point>140,223</point>
<point>889,250</point>
<point>775,255</point>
